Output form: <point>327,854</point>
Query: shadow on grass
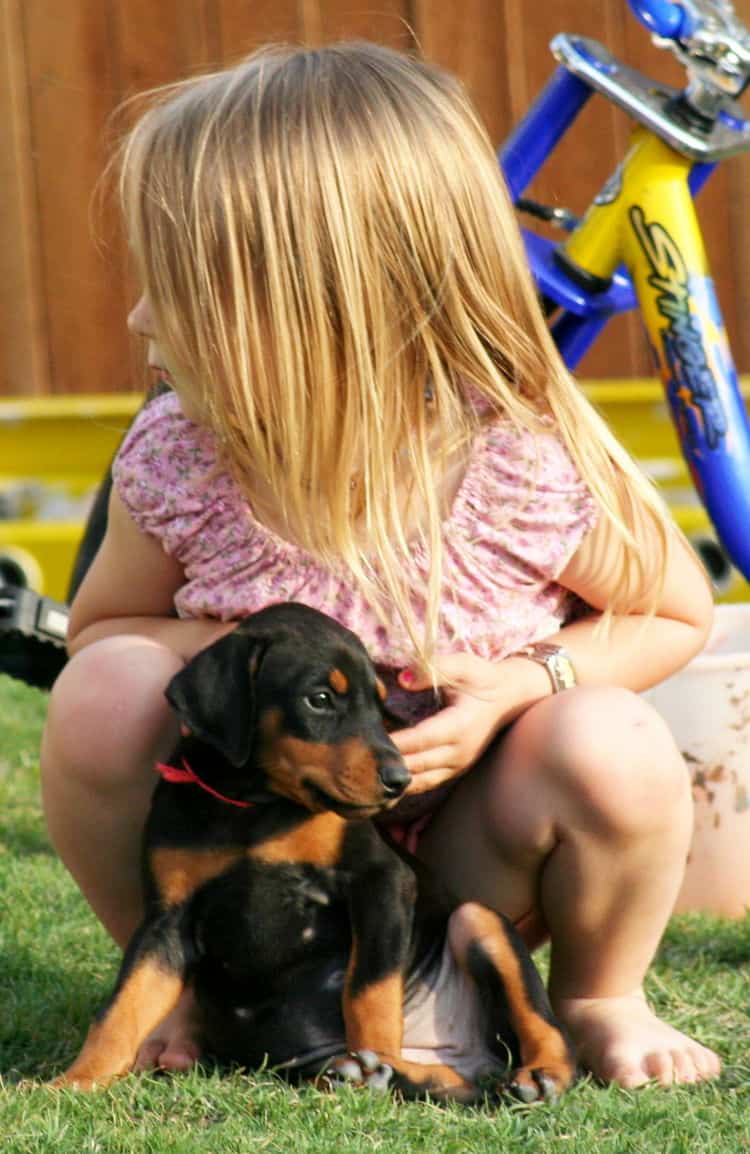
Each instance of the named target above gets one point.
<point>46,1010</point>
<point>25,838</point>
<point>712,940</point>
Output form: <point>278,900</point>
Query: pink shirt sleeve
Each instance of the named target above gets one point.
<point>167,475</point>
<point>531,502</point>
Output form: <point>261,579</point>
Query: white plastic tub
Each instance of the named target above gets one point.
<point>707,706</point>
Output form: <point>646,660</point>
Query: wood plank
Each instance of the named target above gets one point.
<point>72,90</point>
<point>160,43</point>
<point>386,21</point>
<point>24,359</point>
<point>244,27</point>
<point>472,41</point>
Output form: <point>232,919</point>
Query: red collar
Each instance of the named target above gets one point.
<point>187,774</point>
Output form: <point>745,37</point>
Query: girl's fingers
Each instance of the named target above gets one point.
<point>438,757</point>
<point>441,729</point>
<point>430,779</point>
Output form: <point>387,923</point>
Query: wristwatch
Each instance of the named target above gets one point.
<point>555,660</point>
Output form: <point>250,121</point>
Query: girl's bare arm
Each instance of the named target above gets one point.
<point>130,588</point>
<point>638,650</point>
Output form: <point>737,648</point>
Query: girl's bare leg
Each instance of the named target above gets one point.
<point>583,812</point>
<point>108,724</point>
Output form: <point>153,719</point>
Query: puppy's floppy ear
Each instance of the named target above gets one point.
<point>214,694</point>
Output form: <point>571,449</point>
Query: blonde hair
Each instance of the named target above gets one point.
<point>335,271</point>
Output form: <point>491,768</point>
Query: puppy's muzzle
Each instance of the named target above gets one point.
<point>395,777</point>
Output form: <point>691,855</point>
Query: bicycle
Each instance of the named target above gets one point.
<point>639,245</point>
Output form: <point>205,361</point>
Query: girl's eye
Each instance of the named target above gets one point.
<point>321,702</point>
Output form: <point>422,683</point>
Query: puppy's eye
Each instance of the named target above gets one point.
<point>320,702</point>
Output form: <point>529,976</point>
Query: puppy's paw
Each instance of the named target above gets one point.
<point>359,1068</point>
<point>539,1084</point>
<point>66,1082</point>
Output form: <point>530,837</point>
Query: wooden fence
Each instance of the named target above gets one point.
<point>66,64</point>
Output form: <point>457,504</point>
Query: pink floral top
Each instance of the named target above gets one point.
<point>518,516</point>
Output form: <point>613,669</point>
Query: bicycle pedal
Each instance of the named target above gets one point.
<point>32,636</point>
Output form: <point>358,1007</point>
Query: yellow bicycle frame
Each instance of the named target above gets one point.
<point>645,219</point>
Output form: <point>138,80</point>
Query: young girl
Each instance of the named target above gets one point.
<point>368,415</point>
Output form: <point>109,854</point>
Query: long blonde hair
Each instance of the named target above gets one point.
<point>335,270</point>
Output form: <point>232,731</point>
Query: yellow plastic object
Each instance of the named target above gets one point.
<point>68,439</point>
<point>39,554</point>
<point>53,454</point>
<point>637,412</point>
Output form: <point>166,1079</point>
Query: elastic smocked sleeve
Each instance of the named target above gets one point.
<point>164,473</point>
<point>536,507</point>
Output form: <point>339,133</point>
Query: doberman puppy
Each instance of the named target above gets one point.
<point>270,890</point>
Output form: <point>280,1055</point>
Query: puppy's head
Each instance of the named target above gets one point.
<point>291,700</point>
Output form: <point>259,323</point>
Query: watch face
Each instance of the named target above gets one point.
<point>556,661</point>
<point>562,669</point>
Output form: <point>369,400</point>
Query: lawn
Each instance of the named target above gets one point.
<point>56,967</point>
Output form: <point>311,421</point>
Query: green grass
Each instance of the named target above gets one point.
<point>56,967</point>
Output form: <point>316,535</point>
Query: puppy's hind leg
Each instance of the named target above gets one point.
<point>151,979</point>
<point>488,947</point>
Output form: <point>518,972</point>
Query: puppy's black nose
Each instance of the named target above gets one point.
<point>395,778</point>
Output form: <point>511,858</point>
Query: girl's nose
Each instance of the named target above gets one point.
<point>140,320</point>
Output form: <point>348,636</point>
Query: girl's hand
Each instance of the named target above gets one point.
<point>481,697</point>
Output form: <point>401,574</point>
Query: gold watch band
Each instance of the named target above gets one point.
<point>556,661</point>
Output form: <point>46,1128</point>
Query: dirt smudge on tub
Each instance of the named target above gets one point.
<point>741,799</point>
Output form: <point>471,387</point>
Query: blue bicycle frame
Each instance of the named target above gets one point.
<point>699,377</point>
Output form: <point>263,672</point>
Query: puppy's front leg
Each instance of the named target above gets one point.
<point>149,984</point>
<point>374,987</point>
<point>382,906</point>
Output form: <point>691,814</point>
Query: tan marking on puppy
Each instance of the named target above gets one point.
<point>381,690</point>
<point>347,771</point>
<point>147,996</point>
<point>374,1017</point>
<point>541,1044</point>
<point>316,842</point>
<point>178,873</point>
<point>338,681</point>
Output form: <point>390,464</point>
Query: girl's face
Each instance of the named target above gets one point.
<point>141,322</point>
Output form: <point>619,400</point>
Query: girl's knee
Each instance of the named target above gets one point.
<point>610,760</point>
<point>108,704</point>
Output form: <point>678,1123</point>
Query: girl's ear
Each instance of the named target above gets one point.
<point>214,694</point>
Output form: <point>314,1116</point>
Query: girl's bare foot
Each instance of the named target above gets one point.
<point>173,1044</point>
<point>621,1040</point>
